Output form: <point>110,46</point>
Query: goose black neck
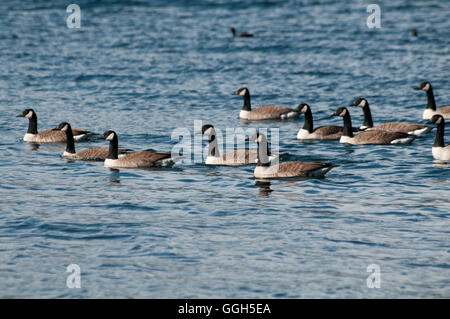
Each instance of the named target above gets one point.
<point>247,106</point>
<point>348,130</point>
<point>367,116</point>
<point>309,123</point>
<point>32,124</point>
<point>263,151</point>
<point>431,103</point>
<point>70,144</point>
<point>113,148</point>
<point>213,147</point>
<point>439,140</point>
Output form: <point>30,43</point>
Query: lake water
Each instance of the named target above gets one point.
<point>145,69</point>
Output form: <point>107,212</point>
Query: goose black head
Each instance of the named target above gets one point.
<point>360,101</point>
<point>207,129</point>
<point>424,86</point>
<point>241,92</point>
<point>303,107</point>
<point>233,30</point>
<point>436,119</point>
<point>64,126</point>
<point>108,135</point>
<point>28,113</point>
<point>340,111</point>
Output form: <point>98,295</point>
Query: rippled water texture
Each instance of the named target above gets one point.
<point>144,69</point>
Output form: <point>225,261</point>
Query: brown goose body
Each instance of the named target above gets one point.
<point>93,154</point>
<point>407,128</point>
<point>138,160</point>
<point>293,169</point>
<point>377,137</point>
<point>267,112</point>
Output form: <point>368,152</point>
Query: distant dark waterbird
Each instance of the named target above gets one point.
<point>240,35</point>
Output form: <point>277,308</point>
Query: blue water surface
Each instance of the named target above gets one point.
<point>145,68</point>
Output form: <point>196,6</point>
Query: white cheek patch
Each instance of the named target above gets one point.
<point>363,103</point>
<point>242,93</point>
<point>304,109</point>
<point>110,137</point>
<point>65,128</point>
<point>439,121</point>
<point>426,87</point>
<point>343,113</point>
<point>29,115</point>
<point>208,131</point>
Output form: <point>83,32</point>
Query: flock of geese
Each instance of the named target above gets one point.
<point>366,134</point>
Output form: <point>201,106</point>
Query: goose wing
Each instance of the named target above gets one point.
<point>268,112</point>
<point>240,157</point>
<point>444,111</point>
<point>329,131</point>
<point>399,127</point>
<point>144,159</point>
<point>378,137</point>
<point>292,169</point>
<point>51,136</point>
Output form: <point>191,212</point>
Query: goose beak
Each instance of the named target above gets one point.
<point>101,138</point>
<point>235,93</point>
<point>417,88</point>
<point>331,115</point>
<point>198,133</point>
<point>19,115</point>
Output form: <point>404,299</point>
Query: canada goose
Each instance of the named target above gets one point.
<point>369,137</point>
<point>408,128</point>
<point>231,158</point>
<point>240,35</point>
<point>308,132</point>
<point>50,135</point>
<point>263,112</point>
<point>439,150</point>
<point>431,103</point>
<point>264,169</point>
<point>134,160</point>
<point>90,154</point>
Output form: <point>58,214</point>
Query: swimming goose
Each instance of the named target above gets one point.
<point>431,103</point>
<point>90,154</point>
<point>308,132</point>
<point>263,112</point>
<point>134,160</point>
<point>264,169</point>
<point>231,158</point>
<point>439,150</point>
<point>369,137</point>
<point>50,135</point>
<point>408,128</point>
<point>240,35</point>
